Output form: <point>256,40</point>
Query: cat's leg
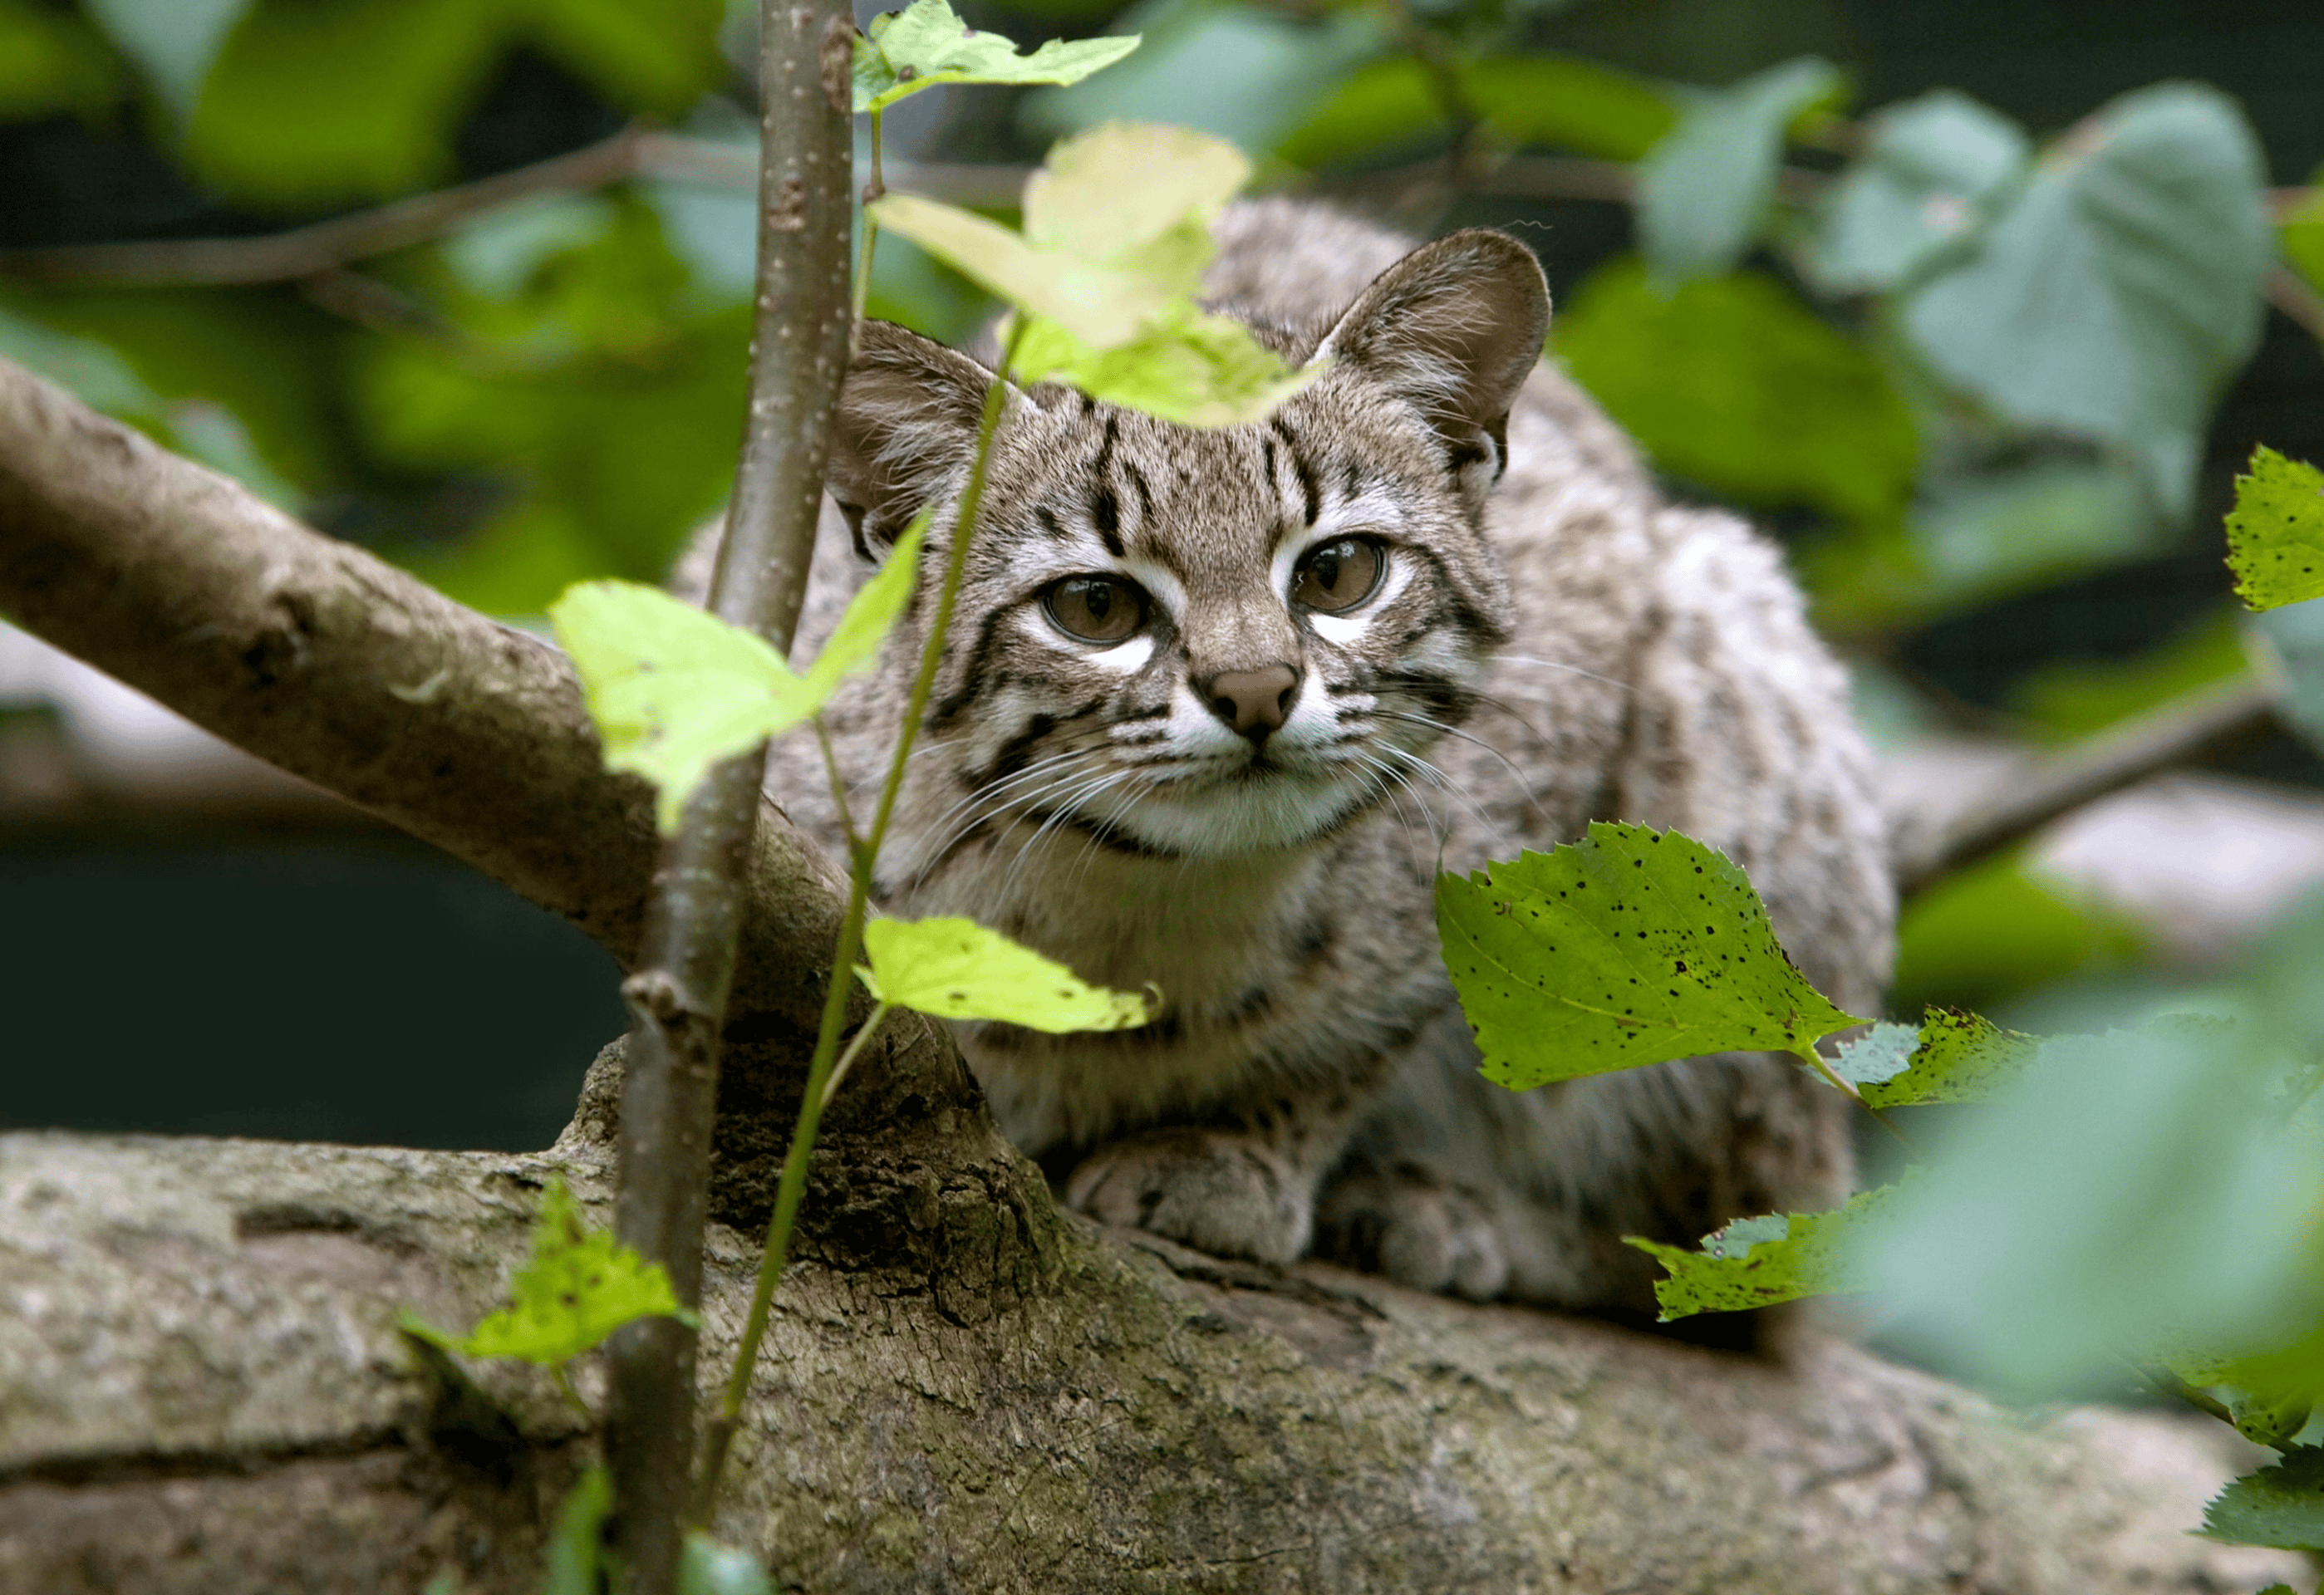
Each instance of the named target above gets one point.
<point>1242,1185</point>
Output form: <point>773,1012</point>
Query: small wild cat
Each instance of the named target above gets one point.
<point>1212,702</point>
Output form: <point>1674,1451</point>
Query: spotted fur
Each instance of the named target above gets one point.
<point>1552,641</point>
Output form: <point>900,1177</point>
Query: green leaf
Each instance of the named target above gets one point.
<point>52,61</point>
<point>1524,99</point>
<point>1631,946</point>
<point>2294,635</point>
<point>956,969</point>
<point>1759,1262</point>
<point>2275,533</point>
<point>1104,309</point>
<point>925,44</point>
<point>2281,1505</point>
<point>1138,197</point>
<point>2077,698</point>
<point>1959,1057</point>
<point>1929,169</point>
<point>1197,370</point>
<point>576,1544</point>
<point>705,1567</point>
<point>1733,383</point>
<point>2130,1194</point>
<point>2270,1391</point>
<point>2118,293</point>
<point>1235,72</point>
<point>855,644</point>
<point>1980,937</point>
<point>673,690</point>
<point>1704,189</point>
<point>578,1286</point>
<point>2301,232</point>
<point>173,45</point>
<point>653,56</point>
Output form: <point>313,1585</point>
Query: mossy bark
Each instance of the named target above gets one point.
<point>202,1388</point>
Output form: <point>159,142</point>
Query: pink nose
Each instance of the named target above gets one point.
<point>1253,702</point>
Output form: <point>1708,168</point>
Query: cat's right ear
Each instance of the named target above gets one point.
<point>906,426</point>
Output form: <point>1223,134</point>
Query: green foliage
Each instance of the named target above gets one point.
<point>1560,100</point>
<point>1631,946</point>
<point>577,1544</point>
<point>1760,1263</point>
<point>956,969</point>
<point>1933,171</point>
<point>579,1287</point>
<point>1117,232</point>
<point>2275,533</point>
<point>1703,190</point>
<point>1951,1056</point>
<point>925,44</point>
<point>2301,234</point>
<point>52,61</point>
<point>2114,299</point>
<point>1980,937</point>
<point>2294,636</point>
<point>673,690</point>
<point>2078,698</point>
<point>2281,1505</point>
<point>1731,381</point>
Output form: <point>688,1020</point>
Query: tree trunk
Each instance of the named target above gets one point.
<point>202,1387</point>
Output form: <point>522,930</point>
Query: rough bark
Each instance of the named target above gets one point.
<point>201,1388</point>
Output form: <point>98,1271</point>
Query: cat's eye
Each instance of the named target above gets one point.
<point>1339,575</point>
<point>1096,608</point>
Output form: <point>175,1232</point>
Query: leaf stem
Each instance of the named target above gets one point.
<point>873,190</point>
<point>1816,1061</point>
<point>720,1433</point>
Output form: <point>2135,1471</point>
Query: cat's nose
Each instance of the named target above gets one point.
<point>1253,702</point>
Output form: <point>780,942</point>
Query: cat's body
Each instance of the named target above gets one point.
<point>1159,806</point>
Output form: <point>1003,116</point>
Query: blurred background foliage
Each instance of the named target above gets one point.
<point>1977,307</point>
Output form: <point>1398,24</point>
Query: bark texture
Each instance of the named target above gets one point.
<point>202,1388</point>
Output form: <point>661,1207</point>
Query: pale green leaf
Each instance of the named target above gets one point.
<point>1703,190</point>
<point>855,642</point>
<point>576,1544</point>
<point>705,1567</point>
<point>1932,167</point>
<point>1197,370</point>
<point>1632,946</point>
<point>172,43</point>
<point>1952,1057</point>
<point>2281,1505</point>
<point>1759,1262</point>
<point>925,44</point>
<point>1103,308</point>
<point>578,1286</point>
<point>2275,533</point>
<point>2270,1391</point>
<point>673,690</point>
<point>1112,194</point>
<point>2115,296</point>
<point>956,969</point>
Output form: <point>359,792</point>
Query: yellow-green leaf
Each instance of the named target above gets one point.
<point>1197,370</point>
<point>925,44</point>
<point>956,969</point>
<point>855,643</point>
<point>578,1286</point>
<point>1952,1057</point>
<point>1759,1262</point>
<point>1103,308</point>
<point>2275,533</point>
<point>673,690</point>
<point>1116,192</point>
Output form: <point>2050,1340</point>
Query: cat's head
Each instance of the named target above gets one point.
<point>1207,642</point>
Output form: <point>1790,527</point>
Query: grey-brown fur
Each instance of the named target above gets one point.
<point>1601,653</point>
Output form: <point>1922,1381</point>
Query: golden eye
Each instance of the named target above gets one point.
<point>1096,608</point>
<point>1339,575</point>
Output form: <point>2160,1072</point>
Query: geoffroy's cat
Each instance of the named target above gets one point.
<point>1215,704</point>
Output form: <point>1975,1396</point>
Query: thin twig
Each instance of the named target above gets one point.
<point>2171,734</point>
<point>677,997</point>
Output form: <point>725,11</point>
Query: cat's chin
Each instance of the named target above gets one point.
<point>1254,812</point>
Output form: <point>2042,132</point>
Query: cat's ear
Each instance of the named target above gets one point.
<point>908,420</point>
<point>1455,328</point>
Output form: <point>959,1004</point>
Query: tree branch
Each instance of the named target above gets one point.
<point>2049,787</point>
<point>677,1002</point>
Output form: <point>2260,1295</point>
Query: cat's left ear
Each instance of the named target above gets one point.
<point>1455,327</point>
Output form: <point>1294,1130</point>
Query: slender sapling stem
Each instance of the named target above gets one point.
<point>720,1434</point>
<point>872,190</point>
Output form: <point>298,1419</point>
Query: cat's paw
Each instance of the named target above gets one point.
<point>1216,1191</point>
<point>1418,1229</point>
